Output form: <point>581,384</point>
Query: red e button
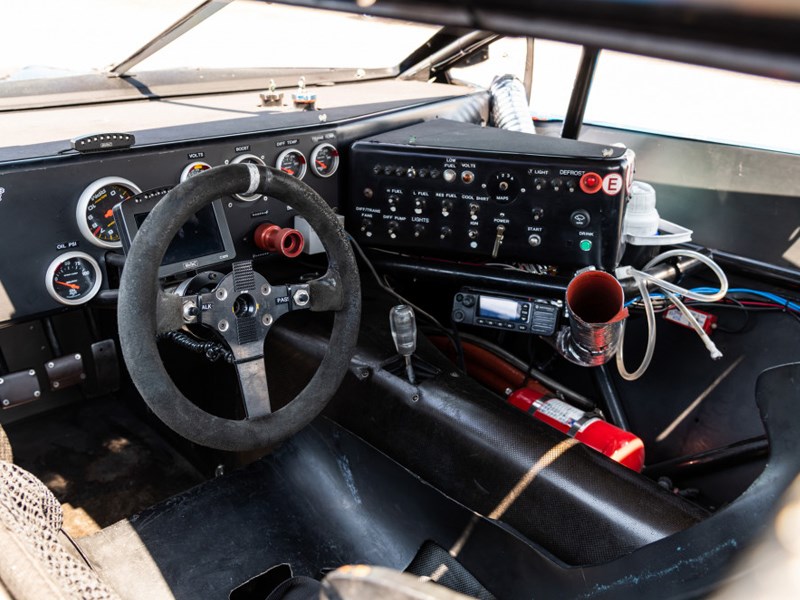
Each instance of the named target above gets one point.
<point>612,184</point>
<point>591,183</point>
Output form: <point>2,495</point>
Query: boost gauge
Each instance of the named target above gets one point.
<point>73,278</point>
<point>292,162</point>
<point>324,160</point>
<point>251,159</point>
<point>95,210</point>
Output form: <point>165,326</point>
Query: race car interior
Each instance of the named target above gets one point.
<point>252,337</point>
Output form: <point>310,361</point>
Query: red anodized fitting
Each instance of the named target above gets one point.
<point>272,238</point>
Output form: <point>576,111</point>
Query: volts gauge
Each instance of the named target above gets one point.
<point>73,278</point>
<point>324,160</point>
<point>292,162</point>
<point>193,169</point>
<point>95,210</point>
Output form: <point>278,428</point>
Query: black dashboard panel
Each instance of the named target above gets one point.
<point>38,221</point>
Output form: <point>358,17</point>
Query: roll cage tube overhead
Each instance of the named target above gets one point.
<point>755,38</point>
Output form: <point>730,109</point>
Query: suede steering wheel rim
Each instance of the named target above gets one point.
<point>145,310</point>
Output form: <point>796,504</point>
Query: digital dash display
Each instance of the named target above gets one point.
<point>199,236</point>
<point>504,309</point>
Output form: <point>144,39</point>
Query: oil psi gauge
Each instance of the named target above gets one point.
<point>292,162</point>
<point>324,160</point>
<point>73,278</point>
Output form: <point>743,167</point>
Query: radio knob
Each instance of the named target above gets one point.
<point>419,205</point>
<point>445,232</point>
<point>469,301</point>
<point>458,316</point>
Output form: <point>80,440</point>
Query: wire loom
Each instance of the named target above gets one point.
<point>212,351</point>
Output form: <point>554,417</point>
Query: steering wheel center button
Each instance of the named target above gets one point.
<point>244,306</point>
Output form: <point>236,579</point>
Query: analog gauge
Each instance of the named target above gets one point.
<point>193,169</point>
<point>292,162</point>
<point>251,159</point>
<point>73,278</point>
<point>324,160</point>
<point>95,211</point>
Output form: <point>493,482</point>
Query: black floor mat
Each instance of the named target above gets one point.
<point>101,461</point>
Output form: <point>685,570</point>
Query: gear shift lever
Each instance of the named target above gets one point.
<point>404,334</point>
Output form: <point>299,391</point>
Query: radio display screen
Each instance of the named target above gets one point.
<point>199,236</point>
<point>504,309</point>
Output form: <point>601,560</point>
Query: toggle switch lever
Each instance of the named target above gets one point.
<point>498,240</point>
<point>404,334</point>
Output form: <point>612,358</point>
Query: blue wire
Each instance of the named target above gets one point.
<point>758,293</point>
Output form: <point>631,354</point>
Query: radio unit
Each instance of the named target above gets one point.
<point>458,189</point>
<point>501,311</point>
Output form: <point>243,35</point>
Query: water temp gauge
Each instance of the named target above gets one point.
<point>292,162</point>
<point>95,210</point>
<point>324,160</point>
<point>73,278</point>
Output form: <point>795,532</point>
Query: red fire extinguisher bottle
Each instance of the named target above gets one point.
<point>619,445</point>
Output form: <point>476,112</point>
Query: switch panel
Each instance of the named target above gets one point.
<point>444,188</point>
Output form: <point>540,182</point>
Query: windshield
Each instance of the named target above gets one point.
<point>56,38</point>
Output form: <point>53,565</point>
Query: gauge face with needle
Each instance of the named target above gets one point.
<point>95,210</point>
<point>292,162</point>
<point>73,278</point>
<point>324,160</point>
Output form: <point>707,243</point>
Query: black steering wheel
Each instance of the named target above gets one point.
<point>242,308</point>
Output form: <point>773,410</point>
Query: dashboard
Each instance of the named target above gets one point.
<point>63,243</point>
<point>419,175</point>
<point>66,225</point>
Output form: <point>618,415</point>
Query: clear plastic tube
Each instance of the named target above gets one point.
<point>671,291</point>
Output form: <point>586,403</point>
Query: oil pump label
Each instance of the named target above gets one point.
<point>561,412</point>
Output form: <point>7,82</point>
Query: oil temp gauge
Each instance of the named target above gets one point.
<point>73,278</point>
<point>324,160</point>
<point>292,162</point>
<point>95,210</point>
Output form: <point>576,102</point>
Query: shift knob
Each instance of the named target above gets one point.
<point>404,334</point>
<point>404,329</point>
